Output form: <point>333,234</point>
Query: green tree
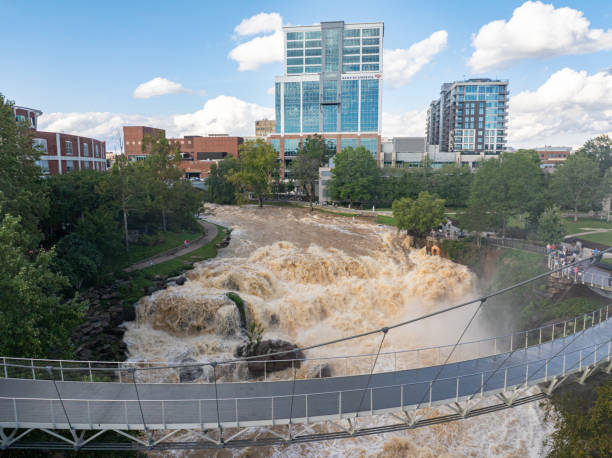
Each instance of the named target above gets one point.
<point>78,260</point>
<point>506,187</point>
<point>599,149</point>
<point>313,154</point>
<point>577,184</point>
<point>221,190</point>
<point>258,161</point>
<point>418,216</point>
<point>21,188</point>
<point>163,172</point>
<point>582,425</point>
<point>35,320</point>
<point>354,176</point>
<point>551,226</point>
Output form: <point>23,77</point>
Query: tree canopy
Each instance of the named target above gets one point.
<point>599,149</point>
<point>418,216</point>
<point>551,226</point>
<point>354,176</point>
<point>258,162</point>
<point>313,154</point>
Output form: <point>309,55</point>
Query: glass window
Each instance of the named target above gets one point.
<point>351,42</point>
<point>277,104</point>
<point>330,118</point>
<point>371,144</point>
<point>85,149</point>
<point>370,67</point>
<point>371,41</point>
<point>350,67</point>
<point>295,61</point>
<point>292,146</point>
<point>348,33</point>
<point>68,148</point>
<point>330,91</point>
<point>275,142</point>
<point>370,58</point>
<point>44,166</point>
<point>294,44</point>
<point>350,50</point>
<point>332,54</point>
<point>310,106</point>
<point>292,107</point>
<point>295,52</point>
<point>295,69</point>
<point>313,44</point>
<point>351,59</point>
<point>40,144</point>
<point>369,105</point>
<point>86,165</point>
<point>313,69</point>
<point>349,105</point>
<point>313,52</point>
<point>69,166</point>
<point>313,60</point>
<point>373,50</point>
<point>331,144</point>
<point>346,142</point>
<point>313,35</point>
<point>295,35</point>
<point>371,32</point>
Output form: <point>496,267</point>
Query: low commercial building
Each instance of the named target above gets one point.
<point>198,152</point>
<point>265,127</point>
<point>552,156</point>
<point>63,152</point>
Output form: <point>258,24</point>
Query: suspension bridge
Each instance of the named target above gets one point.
<point>72,404</point>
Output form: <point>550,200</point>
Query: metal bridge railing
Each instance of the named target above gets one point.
<point>313,406</point>
<point>104,371</point>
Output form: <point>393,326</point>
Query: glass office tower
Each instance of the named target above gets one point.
<point>332,85</point>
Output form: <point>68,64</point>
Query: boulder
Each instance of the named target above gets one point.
<point>190,373</point>
<point>264,351</point>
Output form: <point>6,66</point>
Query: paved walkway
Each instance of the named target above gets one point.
<point>211,233</point>
<point>588,231</point>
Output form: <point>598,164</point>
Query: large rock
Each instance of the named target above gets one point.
<point>264,351</point>
<point>190,373</point>
<point>320,371</point>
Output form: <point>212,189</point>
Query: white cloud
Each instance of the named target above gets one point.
<point>570,107</point>
<point>270,91</point>
<point>258,51</point>
<point>158,86</point>
<point>408,124</point>
<point>266,49</point>
<point>401,64</point>
<point>223,114</point>
<point>260,23</point>
<point>536,30</point>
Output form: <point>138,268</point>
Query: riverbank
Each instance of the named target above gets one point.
<point>100,335</point>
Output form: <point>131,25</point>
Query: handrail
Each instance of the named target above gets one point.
<point>125,365</point>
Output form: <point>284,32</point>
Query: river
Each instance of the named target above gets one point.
<point>311,277</point>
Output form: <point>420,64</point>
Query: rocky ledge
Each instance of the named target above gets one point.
<point>264,351</point>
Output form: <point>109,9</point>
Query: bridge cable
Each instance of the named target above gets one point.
<point>59,396</point>
<point>214,366</point>
<point>144,423</point>
<point>292,396</point>
<point>384,331</point>
<point>482,301</point>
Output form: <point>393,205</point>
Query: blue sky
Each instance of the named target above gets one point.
<point>80,62</point>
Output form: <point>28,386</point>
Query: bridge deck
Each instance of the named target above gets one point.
<point>35,403</point>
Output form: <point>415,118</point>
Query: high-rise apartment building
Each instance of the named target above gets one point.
<point>331,85</point>
<point>470,119</point>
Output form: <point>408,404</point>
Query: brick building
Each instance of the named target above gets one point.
<point>553,156</point>
<point>62,152</point>
<point>198,152</point>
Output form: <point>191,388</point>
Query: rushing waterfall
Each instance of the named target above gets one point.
<point>311,277</point>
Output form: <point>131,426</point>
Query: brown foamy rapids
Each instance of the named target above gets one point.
<point>302,294</point>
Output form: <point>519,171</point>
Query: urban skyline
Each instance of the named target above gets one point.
<point>560,81</point>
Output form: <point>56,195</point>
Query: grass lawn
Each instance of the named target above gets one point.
<point>139,252</point>
<point>581,224</point>
<point>389,220</point>
<point>604,238</point>
<point>142,279</point>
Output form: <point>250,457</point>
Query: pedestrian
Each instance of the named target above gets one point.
<point>186,243</point>
<point>548,248</point>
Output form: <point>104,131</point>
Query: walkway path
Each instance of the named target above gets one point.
<point>211,233</point>
<point>589,231</point>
